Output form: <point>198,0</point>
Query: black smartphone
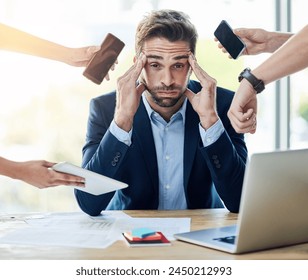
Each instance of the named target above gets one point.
<point>232,43</point>
<point>102,61</point>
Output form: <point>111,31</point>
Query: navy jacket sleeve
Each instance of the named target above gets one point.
<point>226,158</point>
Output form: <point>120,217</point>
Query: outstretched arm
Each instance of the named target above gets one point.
<point>258,40</point>
<point>37,173</point>
<point>15,40</point>
<point>291,57</point>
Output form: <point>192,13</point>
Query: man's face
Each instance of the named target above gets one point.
<point>166,71</point>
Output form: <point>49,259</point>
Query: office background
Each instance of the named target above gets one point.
<point>44,107</point>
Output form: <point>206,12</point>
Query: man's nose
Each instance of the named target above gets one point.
<point>167,78</point>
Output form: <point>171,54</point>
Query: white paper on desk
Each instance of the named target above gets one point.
<point>56,237</point>
<point>168,226</point>
<point>67,229</point>
<point>83,231</point>
<point>78,219</point>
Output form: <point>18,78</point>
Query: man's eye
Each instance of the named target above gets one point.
<point>178,66</point>
<point>154,65</point>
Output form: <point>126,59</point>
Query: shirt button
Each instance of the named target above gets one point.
<point>167,187</point>
<point>167,157</point>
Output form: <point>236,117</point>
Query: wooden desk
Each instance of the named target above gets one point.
<point>177,251</point>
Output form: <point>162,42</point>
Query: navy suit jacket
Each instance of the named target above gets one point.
<point>212,174</point>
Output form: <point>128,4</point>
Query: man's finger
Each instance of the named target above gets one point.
<point>141,61</point>
<point>202,76</point>
<point>140,88</point>
<point>189,94</point>
<point>134,71</point>
<point>243,122</point>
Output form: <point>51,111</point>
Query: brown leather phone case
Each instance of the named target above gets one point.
<point>102,61</point>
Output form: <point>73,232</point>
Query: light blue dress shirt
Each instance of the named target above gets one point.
<point>169,145</point>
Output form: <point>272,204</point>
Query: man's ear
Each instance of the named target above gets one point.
<point>134,59</point>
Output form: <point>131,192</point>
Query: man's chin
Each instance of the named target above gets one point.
<point>167,102</point>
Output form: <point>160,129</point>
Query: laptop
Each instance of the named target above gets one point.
<point>273,210</point>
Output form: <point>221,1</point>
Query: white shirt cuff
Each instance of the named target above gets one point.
<point>210,135</point>
<point>120,134</point>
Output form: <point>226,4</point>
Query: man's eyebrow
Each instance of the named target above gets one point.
<point>154,56</point>
<point>184,56</point>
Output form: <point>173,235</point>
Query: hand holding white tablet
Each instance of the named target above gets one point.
<point>94,183</point>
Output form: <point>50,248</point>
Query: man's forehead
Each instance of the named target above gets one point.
<point>161,47</point>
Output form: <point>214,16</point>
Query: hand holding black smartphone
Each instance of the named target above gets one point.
<point>232,43</point>
<point>102,61</point>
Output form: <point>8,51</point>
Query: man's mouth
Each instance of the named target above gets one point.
<point>167,92</point>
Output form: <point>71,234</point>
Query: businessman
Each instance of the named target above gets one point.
<point>166,136</point>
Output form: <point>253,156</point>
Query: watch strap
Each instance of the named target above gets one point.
<point>257,84</point>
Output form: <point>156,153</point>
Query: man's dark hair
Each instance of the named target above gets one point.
<point>169,24</point>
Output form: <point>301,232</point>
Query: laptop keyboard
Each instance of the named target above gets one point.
<point>228,239</point>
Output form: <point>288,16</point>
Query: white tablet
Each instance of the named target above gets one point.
<point>94,183</point>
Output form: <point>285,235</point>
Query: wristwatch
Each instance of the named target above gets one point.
<point>257,84</point>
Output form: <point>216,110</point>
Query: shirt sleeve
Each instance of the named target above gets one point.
<point>120,134</point>
<point>210,135</point>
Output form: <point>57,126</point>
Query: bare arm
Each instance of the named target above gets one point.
<point>12,39</point>
<point>291,57</point>
<point>258,40</point>
<point>261,41</point>
<point>37,173</point>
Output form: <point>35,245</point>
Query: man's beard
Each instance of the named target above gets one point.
<point>165,101</point>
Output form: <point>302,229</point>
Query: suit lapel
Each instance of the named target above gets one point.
<point>191,141</point>
<point>143,136</point>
